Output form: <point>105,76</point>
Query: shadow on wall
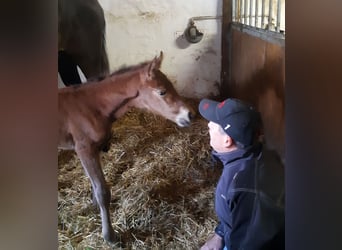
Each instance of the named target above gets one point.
<point>265,90</point>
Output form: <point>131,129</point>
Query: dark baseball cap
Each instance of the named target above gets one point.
<point>238,119</point>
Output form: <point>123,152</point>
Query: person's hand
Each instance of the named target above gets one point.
<point>215,242</point>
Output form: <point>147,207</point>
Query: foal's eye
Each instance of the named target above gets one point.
<point>161,92</point>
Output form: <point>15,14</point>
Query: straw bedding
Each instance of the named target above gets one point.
<point>162,185</point>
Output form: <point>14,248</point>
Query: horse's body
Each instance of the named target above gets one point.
<point>87,111</point>
<point>81,40</point>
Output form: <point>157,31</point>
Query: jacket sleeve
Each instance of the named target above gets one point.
<point>242,211</point>
<point>255,225</point>
<point>219,230</point>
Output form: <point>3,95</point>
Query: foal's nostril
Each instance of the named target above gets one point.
<point>191,115</point>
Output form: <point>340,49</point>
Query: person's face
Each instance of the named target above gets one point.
<point>219,140</point>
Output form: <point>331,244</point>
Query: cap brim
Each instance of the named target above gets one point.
<point>207,109</point>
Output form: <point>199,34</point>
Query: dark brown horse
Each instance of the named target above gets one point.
<point>87,111</point>
<point>81,40</point>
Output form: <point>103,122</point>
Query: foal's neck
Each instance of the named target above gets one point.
<point>116,94</point>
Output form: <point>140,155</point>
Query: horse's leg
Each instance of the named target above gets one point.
<point>91,163</point>
<point>93,59</point>
<point>67,69</point>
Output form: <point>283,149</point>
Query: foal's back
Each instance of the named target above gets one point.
<point>80,117</point>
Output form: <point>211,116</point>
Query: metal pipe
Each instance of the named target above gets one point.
<point>198,18</point>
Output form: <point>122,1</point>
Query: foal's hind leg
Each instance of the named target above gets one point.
<point>93,198</point>
<point>91,164</point>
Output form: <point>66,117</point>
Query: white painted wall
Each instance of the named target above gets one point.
<point>137,30</point>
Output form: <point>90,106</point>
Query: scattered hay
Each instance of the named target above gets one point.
<point>162,185</point>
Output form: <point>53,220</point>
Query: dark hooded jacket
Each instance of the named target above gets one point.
<point>249,200</point>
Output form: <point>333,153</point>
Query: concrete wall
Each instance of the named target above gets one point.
<point>256,73</point>
<point>139,30</point>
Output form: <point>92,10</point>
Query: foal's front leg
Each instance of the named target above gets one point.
<point>91,163</point>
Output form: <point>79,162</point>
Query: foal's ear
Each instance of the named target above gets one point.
<point>158,60</point>
<point>155,64</point>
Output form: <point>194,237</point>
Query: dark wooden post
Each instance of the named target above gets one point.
<point>225,48</point>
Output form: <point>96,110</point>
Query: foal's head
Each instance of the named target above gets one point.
<point>158,95</point>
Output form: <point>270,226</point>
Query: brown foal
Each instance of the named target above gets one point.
<point>87,111</point>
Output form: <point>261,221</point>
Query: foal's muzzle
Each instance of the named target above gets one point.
<point>184,118</point>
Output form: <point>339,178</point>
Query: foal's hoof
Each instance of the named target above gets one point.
<point>112,237</point>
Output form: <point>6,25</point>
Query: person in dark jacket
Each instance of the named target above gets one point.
<point>249,198</point>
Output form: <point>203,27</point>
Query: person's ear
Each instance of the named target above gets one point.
<point>228,142</point>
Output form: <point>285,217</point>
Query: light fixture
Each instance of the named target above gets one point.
<point>192,34</point>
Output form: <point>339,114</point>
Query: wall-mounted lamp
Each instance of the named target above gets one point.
<point>191,33</point>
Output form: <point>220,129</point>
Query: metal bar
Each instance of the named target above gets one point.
<point>278,15</point>
<point>233,10</point>
<point>270,36</point>
<point>256,12</point>
<point>237,13</point>
<point>263,14</point>
<point>250,12</point>
<point>241,20</point>
<point>245,12</point>
<point>270,12</point>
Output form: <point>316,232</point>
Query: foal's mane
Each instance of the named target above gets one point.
<point>129,68</point>
<point>122,70</point>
